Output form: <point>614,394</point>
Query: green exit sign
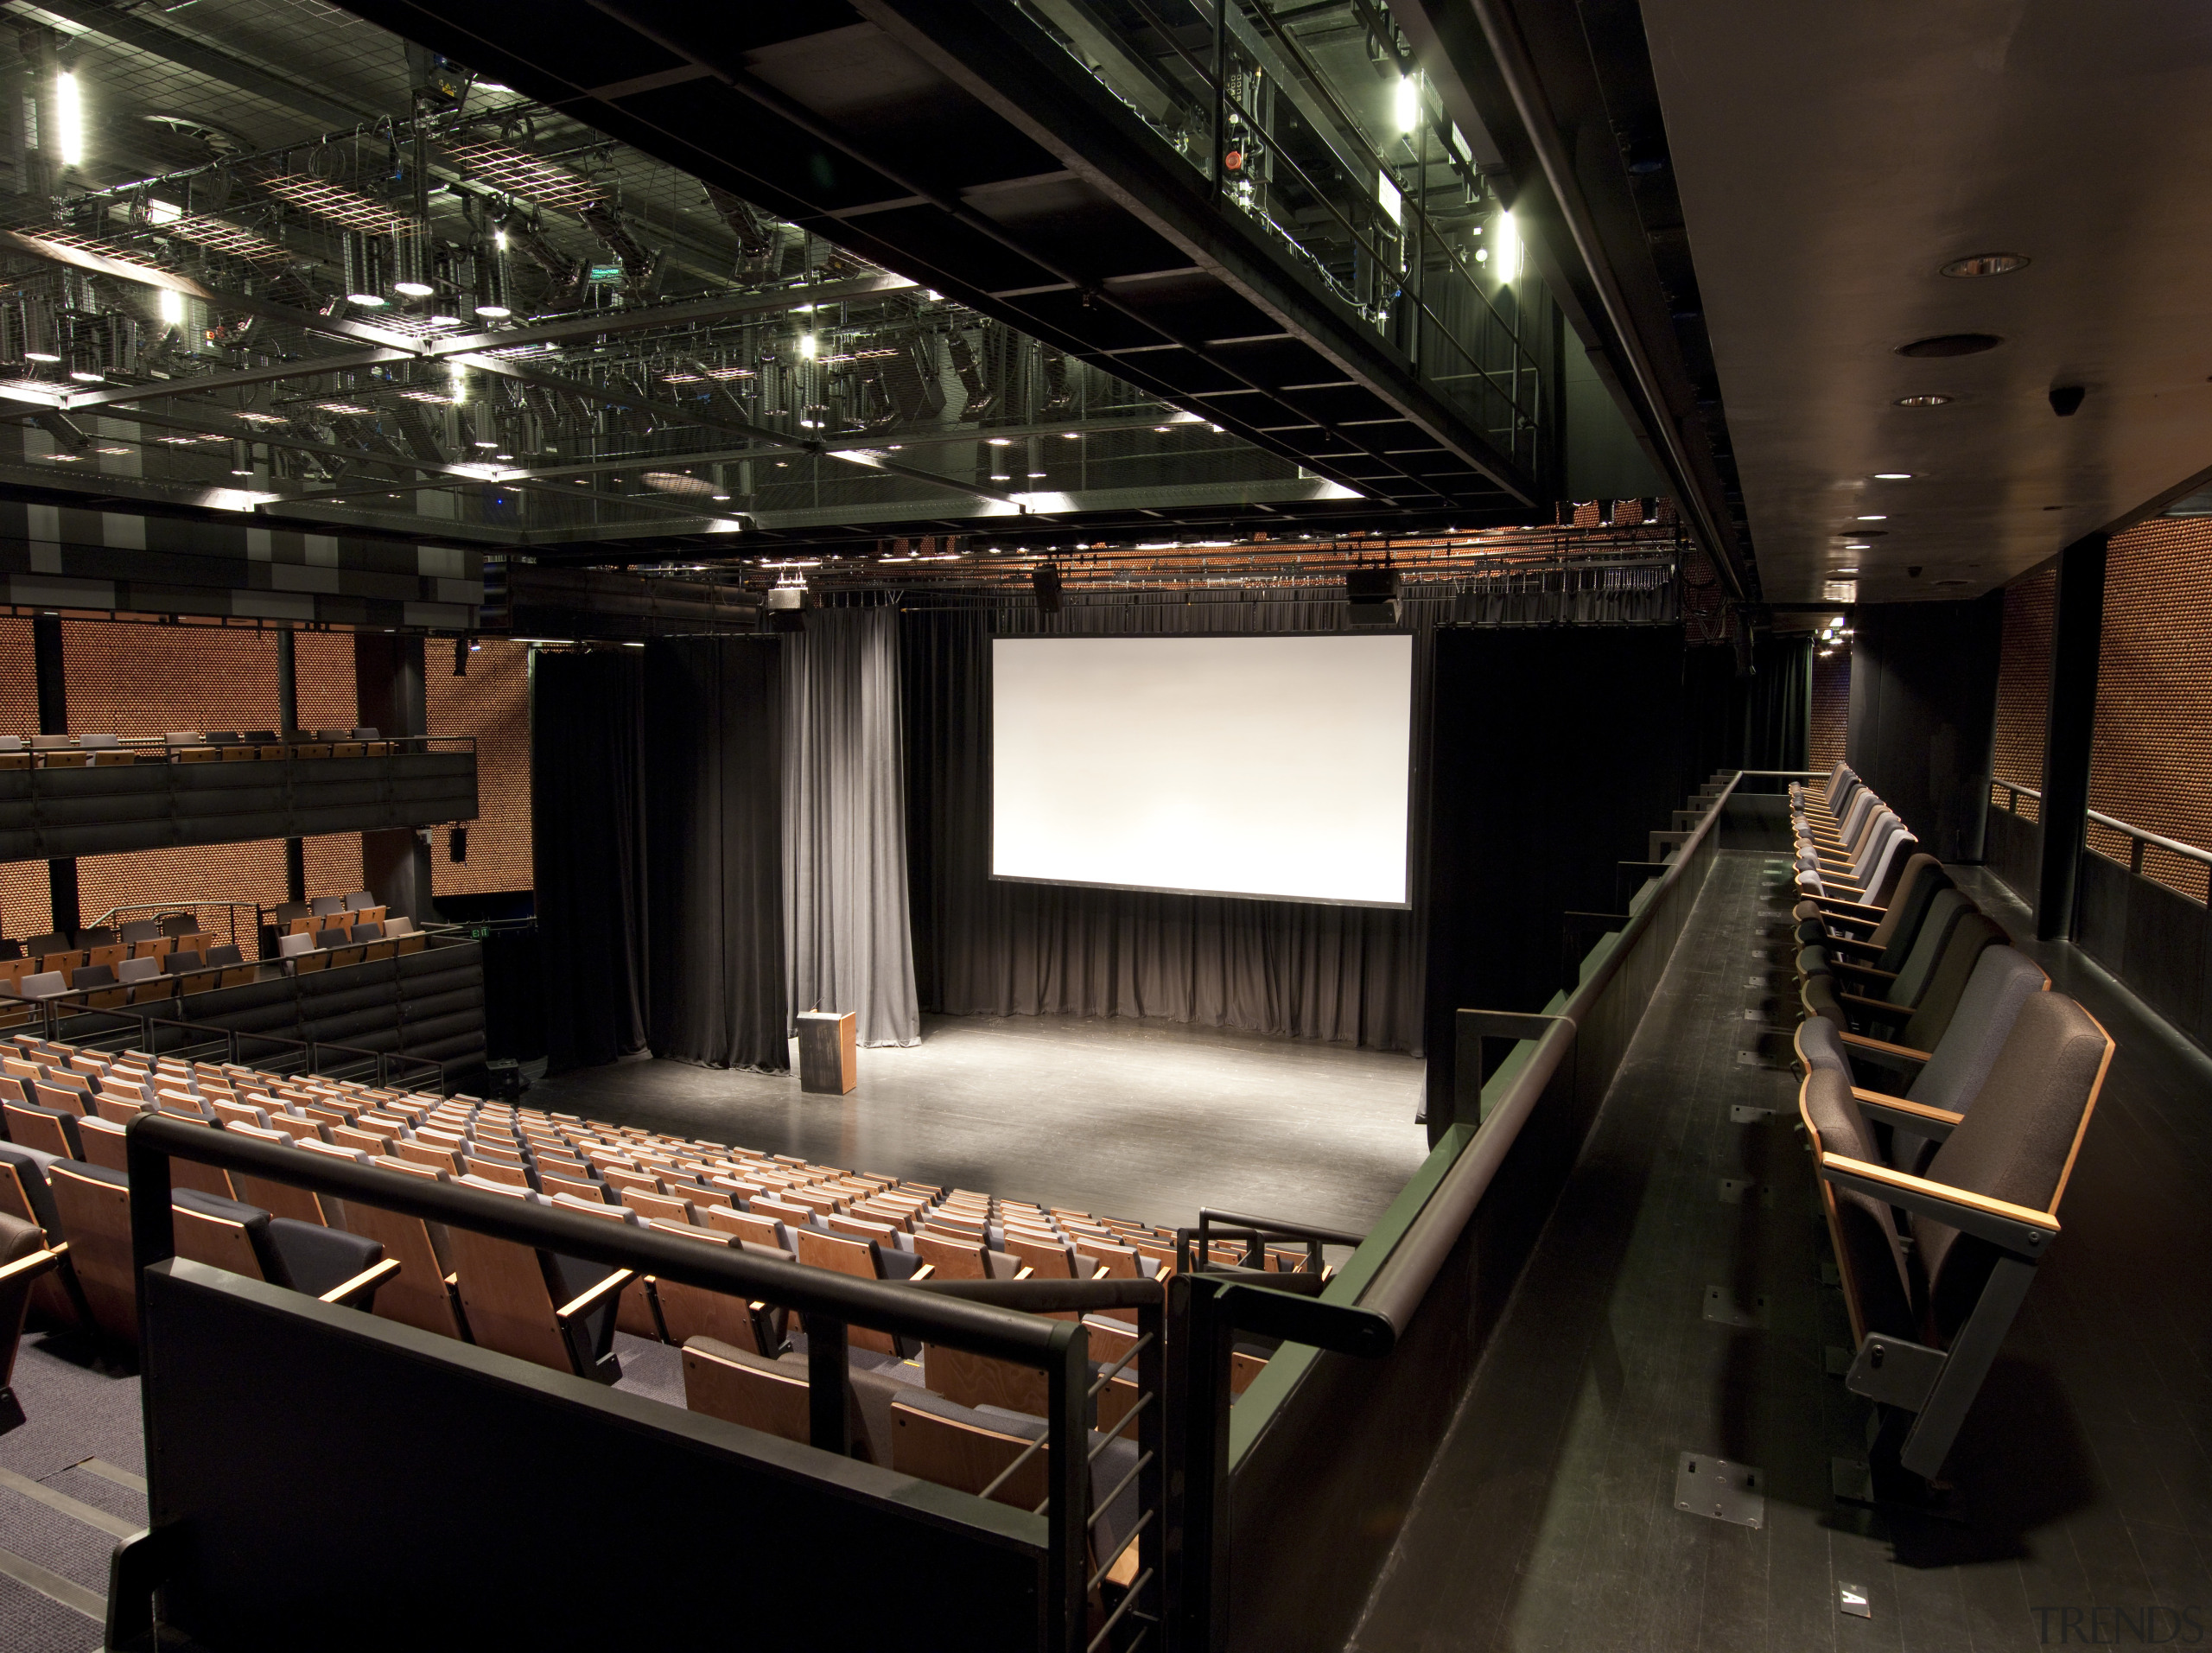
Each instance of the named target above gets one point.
<point>606,272</point>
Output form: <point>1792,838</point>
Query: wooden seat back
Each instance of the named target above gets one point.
<point>95,1218</point>
<point>718,1383</point>
<point>967,1457</point>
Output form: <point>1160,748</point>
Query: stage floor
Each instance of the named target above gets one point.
<point>1147,1120</point>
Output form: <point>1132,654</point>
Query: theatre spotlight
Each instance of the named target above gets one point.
<point>1046,580</point>
<point>1373,596</point>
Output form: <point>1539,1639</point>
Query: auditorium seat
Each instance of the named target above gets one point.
<point>92,1204</point>
<point>1916,1007</point>
<point>50,1130</point>
<point>25,1260</point>
<point>1929,1316</point>
<point>508,1292</point>
<point>425,1292</point>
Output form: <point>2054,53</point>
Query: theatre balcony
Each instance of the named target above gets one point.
<point>87,799</point>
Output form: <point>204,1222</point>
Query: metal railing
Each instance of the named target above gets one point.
<point>1374,1299</point>
<point>1001,1319</point>
<point>2139,839</point>
<point>191,906</point>
<point>157,748</point>
<point>116,1028</point>
<point>1237,83</point>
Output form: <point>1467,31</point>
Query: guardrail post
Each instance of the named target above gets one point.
<point>1199,1338</point>
<point>825,1382</point>
<point>1067,1385</point>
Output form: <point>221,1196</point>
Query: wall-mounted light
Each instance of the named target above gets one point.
<point>1409,104</point>
<point>68,119</point>
<point>1505,248</point>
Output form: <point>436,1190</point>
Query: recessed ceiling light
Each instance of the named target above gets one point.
<point>1934,399</point>
<point>1986,264</point>
<point>1851,570</point>
<point>1874,519</point>
<point>1950,344</point>
<point>1857,545</point>
<point>1893,476</point>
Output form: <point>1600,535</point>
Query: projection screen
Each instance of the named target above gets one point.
<point>1269,765</point>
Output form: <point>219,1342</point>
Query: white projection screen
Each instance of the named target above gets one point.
<point>1270,765</point>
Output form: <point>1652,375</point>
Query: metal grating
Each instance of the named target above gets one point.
<point>526,174</point>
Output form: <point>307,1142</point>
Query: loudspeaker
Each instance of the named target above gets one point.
<point>1373,594</point>
<point>1047,579</point>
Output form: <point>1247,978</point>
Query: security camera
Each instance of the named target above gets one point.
<point>2066,399</point>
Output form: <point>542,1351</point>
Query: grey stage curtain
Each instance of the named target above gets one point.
<point>848,944</point>
<point>588,802</point>
<point>712,757</point>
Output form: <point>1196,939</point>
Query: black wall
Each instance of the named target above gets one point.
<point>1923,714</point>
<point>1554,752</point>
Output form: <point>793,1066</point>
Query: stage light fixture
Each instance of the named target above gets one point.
<point>1409,104</point>
<point>368,269</point>
<point>491,291</point>
<point>1045,580</point>
<point>411,273</point>
<point>170,305</point>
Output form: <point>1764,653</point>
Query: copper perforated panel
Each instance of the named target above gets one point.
<point>492,703</point>
<point>2024,681</point>
<point>2154,695</point>
<point>134,679</point>
<point>1831,709</point>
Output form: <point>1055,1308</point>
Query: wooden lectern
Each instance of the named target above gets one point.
<point>827,1045</point>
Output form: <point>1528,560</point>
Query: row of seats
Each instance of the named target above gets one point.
<point>1946,1093</point>
<point>154,934</point>
<point>935,1413</point>
<point>187,746</point>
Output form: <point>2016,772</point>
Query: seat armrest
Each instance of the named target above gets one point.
<point>2020,1229</point>
<point>363,1285</point>
<point>22,1271</point>
<point>1843,909</point>
<point>1833,940</point>
<point>1883,1047</point>
<point>1864,969</point>
<point>1915,1116</point>
<point>1879,1006</point>
<point>585,1301</point>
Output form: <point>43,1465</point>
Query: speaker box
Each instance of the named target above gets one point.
<point>1047,579</point>
<point>1373,595</point>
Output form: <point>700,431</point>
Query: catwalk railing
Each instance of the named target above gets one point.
<point>380,1451</point>
<point>2138,912</point>
<point>1293,1496</point>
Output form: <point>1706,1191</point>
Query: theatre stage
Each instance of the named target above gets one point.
<point>1147,1120</point>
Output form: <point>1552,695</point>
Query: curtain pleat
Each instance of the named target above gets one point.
<point>847,943</point>
<point>587,795</point>
<point>713,767</point>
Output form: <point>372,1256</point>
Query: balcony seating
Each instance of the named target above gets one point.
<point>1929,1317</point>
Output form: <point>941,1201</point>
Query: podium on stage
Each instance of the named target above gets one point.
<point>828,1045</point>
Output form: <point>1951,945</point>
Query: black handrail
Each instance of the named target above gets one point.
<point>967,1315</point>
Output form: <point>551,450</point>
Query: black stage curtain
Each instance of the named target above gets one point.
<point>1923,714</point>
<point>587,776</point>
<point>1760,721</point>
<point>1555,751</point>
<point>712,753</point>
<point>983,947</point>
